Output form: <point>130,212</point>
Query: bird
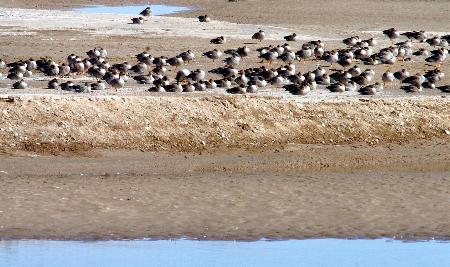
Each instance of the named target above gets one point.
<point>53,84</point>
<point>260,35</point>
<point>20,85</point>
<point>138,20</point>
<point>147,12</point>
<point>292,37</point>
<point>387,77</point>
<point>98,86</point>
<point>392,34</point>
<point>218,40</point>
<point>337,87</point>
<point>213,54</point>
<point>204,18</point>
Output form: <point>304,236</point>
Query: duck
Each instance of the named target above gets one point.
<point>387,77</point>
<point>82,88</point>
<point>174,88</point>
<point>144,79</point>
<point>401,75</point>
<point>345,62</point>
<point>337,87</point>
<point>232,61</point>
<point>241,89</point>
<point>204,18</point>
<point>260,35</point>
<point>323,80</point>
<point>288,57</point>
<point>412,87</point>
<point>213,54</point>
<point>158,88</point>
<point>351,86</point>
<point>187,88</point>
<point>15,75</point>
<point>138,20</point>
<point>392,34</point>
<point>218,40</point>
<point>354,71</point>
<point>292,37</point>
<point>438,56</point>
<point>370,89</point>
<point>67,86</point>
<point>53,84</point>
<point>331,57</point>
<point>147,12</point>
<point>298,89</point>
<point>117,83</point>
<point>305,53</point>
<point>200,86</point>
<point>187,56</point>
<point>98,86</point>
<point>434,41</point>
<point>422,52</point>
<point>175,61</point>
<point>211,84</point>
<point>252,88</point>
<point>351,41</point>
<point>20,85</point>
<point>64,70</point>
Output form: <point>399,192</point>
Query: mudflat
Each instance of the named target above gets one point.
<point>396,190</point>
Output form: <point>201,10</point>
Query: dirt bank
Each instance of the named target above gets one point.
<point>193,123</point>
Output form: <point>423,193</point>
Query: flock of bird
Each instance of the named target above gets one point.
<point>153,71</point>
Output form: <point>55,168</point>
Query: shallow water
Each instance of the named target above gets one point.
<point>132,10</point>
<point>312,252</point>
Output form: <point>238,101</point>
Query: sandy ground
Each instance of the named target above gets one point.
<point>398,191</point>
<point>321,165</point>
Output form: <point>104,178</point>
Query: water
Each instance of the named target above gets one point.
<point>312,252</point>
<point>132,10</point>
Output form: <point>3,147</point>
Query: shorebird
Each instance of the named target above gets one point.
<point>260,35</point>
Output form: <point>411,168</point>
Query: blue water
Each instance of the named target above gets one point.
<point>132,10</point>
<point>311,252</point>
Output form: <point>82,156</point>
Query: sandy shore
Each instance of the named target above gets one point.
<point>133,164</point>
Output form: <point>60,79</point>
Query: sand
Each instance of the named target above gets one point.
<point>209,165</point>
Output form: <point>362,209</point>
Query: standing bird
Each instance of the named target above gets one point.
<point>260,35</point>
<point>387,77</point>
<point>213,54</point>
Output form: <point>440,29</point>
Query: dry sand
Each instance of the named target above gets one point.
<point>322,165</point>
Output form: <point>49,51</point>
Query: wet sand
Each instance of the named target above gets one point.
<point>309,167</point>
<point>398,191</point>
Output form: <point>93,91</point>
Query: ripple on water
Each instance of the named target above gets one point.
<point>310,252</point>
